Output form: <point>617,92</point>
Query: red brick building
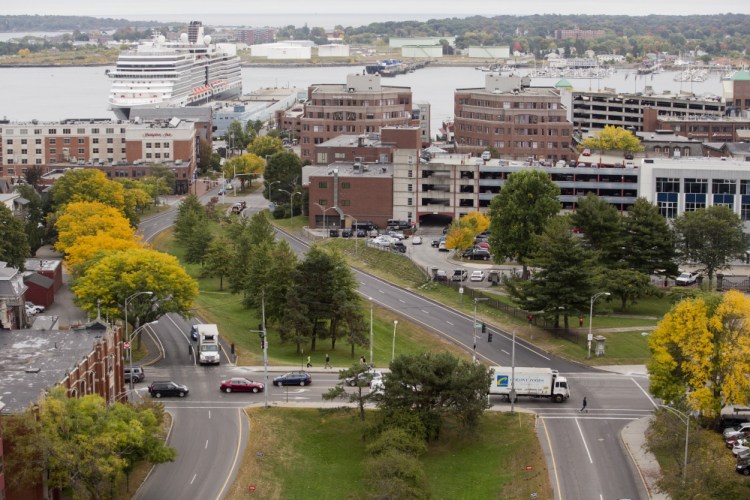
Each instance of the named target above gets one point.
<point>360,106</point>
<point>517,120</point>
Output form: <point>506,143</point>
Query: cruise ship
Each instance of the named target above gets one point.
<point>159,73</point>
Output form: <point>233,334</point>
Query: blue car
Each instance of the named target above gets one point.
<point>293,378</point>
<point>194,332</point>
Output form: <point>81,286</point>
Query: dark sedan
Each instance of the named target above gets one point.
<point>293,378</point>
<point>167,388</point>
<point>239,384</point>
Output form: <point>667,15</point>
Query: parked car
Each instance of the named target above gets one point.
<point>241,384</point>
<point>417,240</point>
<point>396,234</point>
<point>740,446</point>
<point>441,275</point>
<point>377,385</point>
<point>737,429</point>
<point>167,388</point>
<point>136,373</point>
<point>733,438</point>
<point>194,332</point>
<point>743,466</point>
<point>333,233</point>
<point>293,378</point>
<point>435,243</point>
<point>477,276</point>
<point>346,233</point>
<point>364,378</point>
<point>586,152</point>
<point>442,247</point>
<point>361,233</point>
<point>477,254</point>
<point>459,275</point>
<point>398,246</point>
<point>32,308</point>
<point>686,279</point>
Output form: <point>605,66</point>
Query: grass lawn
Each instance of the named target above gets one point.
<point>319,454</point>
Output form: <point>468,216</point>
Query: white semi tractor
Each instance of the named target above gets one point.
<point>208,344</point>
<point>534,382</point>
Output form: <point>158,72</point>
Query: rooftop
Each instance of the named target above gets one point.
<point>33,361</point>
<point>347,169</point>
<point>42,264</point>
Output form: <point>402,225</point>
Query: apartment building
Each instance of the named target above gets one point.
<point>360,106</point>
<point>119,149</point>
<point>517,120</point>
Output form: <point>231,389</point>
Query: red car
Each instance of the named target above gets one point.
<point>240,384</point>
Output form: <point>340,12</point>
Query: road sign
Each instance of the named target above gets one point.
<point>126,345</point>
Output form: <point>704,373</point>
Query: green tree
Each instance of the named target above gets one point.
<point>627,285</point>
<point>433,386</point>
<point>284,170</point>
<point>282,268</point>
<point>34,217</point>
<point>204,160</point>
<point>700,353</point>
<point>236,137</point>
<point>244,167</point>
<point>612,139</point>
<point>709,237</point>
<point>564,281</point>
<point>217,261</point>
<point>14,243</point>
<point>521,210</point>
<point>358,397</point>
<point>265,145</point>
<point>601,226</point>
<point>191,217</point>
<point>83,443</point>
<point>164,177</point>
<point>648,240</point>
<point>394,469</point>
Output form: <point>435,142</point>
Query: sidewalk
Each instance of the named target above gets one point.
<point>633,437</point>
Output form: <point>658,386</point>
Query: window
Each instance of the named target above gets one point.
<point>346,185</point>
<point>38,151</point>
<point>345,203</point>
<point>80,131</point>
<point>66,131</point>
<point>37,141</point>
<point>410,173</point>
<point>95,150</point>
<point>81,140</point>
<point>323,185</point>
<point>53,141</point>
<point>94,130</point>
<point>410,201</point>
<point>52,151</point>
<point>110,131</point>
<point>24,141</point>
<point>323,202</point>
<point>110,140</point>
<point>410,187</point>
<point>668,209</point>
<point>66,141</point>
<point>81,151</point>
<point>148,145</point>
<point>52,131</point>
<point>667,185</point>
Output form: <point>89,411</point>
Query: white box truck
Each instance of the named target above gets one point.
<point>208,344</point>
<point>535,382</point>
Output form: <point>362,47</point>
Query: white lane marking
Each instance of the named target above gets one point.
<point>563,417</point>
<point>206,447</point>
<point>450,323</point>
<point>583,439</point>
<point>554,464</point>
<point>506,352</point>
<point>402,301</point>
<point>381,291</point>
<point>240,413</point>
<point>209,414</point>
<point>363,283</point>
<point>194,476</point>
<point>424,311</point>
<point>644,392</point>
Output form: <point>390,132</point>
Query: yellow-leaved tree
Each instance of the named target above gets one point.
<point>477,222</point>
<point>701,352</point>
<point>612,138</point>
<point>86,218</point>
<point>87,247</point>
<point>459,238</point>
<point>118,275</point>
<point>244,167</point>
<point>87,184</point>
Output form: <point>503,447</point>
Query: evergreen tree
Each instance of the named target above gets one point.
<point>648,240</point>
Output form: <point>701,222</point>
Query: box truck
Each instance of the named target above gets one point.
<point>535,382</point>
<point>208,344</point>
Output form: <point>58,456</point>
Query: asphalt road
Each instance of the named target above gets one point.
<point>584,452</point>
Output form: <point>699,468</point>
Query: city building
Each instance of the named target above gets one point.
<point>589,110</point>
<point>85,360</point>
<point>703,128</point>
<point>263,104</point>
<point>578,34</point>
<point>120,149</point>
<point>517,120</point>
<point>360,106</point>
<point>253,36</point>
<point>12,290</point>
<point>362,185</point>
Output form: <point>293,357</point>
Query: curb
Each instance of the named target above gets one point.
<point>644,461</point>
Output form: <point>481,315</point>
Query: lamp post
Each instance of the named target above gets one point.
<point>263,331</point>
<point>269,189</point>
<point>130,346</point>
<point>393,351</point>
<point>324,210</point>
<point>371,337</point>
<point>291,199</point>
<point>683,418</point>
<point>474,331</point>
<point>591,320</point>
<point>130,349</point>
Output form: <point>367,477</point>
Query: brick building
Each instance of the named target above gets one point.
<point>360,106</point>
<point>517,120</point>
<point>252,36</point>
<point>578,34</point>
<point>119,149</point>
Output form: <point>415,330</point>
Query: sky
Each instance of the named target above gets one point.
<point>159,9</point>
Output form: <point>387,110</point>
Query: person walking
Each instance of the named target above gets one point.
<point>309,364</point>
<point>328,361</point>
<point>362,360</point>
<point>583,408</point>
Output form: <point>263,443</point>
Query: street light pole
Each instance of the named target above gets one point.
<point>686,418</point>
<point>291,199</point>
<point>393,351</point>
<point>474,331</point>
<point>591,320</point>
<point>513,373</point>
<point>269,189</point>
<point>130,348</point>
<point>371,338</point>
